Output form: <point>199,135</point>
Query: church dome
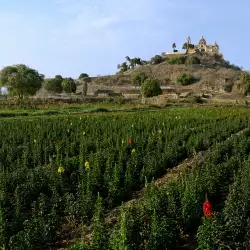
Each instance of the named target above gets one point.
<point>202,41</point>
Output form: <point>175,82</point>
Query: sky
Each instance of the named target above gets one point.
<point>69,37</point>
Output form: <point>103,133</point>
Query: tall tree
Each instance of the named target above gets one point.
<point>69,85</point>
<point>174,46</point>
<point>83,75</point>
<point>21,80</point>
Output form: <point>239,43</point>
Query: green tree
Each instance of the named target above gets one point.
<point>83,75</point>
<point>54,84</point>
<point>139,78</point>
<point>69,85</point>
<point>150,87</point>
<point>21,80</point>
<point>124,67</point>
<point>156,59</point>
<point>185,79</point>
<point>174,46</point>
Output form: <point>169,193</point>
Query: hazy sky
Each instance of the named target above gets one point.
<point>68,37</point>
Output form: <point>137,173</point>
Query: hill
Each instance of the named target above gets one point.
<point>210,71</point>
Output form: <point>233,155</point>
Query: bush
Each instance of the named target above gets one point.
<point>139,78</point>
<point>185,79</point>
<point>245,81</point>
<point>208,235</point>
<point>54,84</point>
<point>69,85</point>
<point>192,60</point>
<point>156,59</point>
<point>177,60</point>
<point>150,87</point>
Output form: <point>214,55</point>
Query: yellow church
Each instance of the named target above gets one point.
<point>202,46</point>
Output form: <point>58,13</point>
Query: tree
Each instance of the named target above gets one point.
<point>21,80</point>
<point>124,67</point>
<point>139,78</point>
<point>85,89</point>
<point>174,46</point>
<point>83,75</point>
<point>69,85</point>
<point>156,59</point>
<point>54,84</point>
<point>150,87</point>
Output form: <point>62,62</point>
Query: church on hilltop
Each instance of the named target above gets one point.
<point>190,48</point>
<point>202,46</point>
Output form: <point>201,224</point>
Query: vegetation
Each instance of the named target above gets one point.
<point>150,87</point>
<point>177,60</point>
<point>54,84</point>
<point>83,75</point>
<point>192,60</point>
<point>74,168</point>
<point>139,78</point>
<point>245,81</point>
<point>156,59</point>
<point>185,79</point>
<point>21,80</point>
<point>69,85</point>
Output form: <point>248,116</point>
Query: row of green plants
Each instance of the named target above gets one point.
<point>52,169</point>
<point>164,214</point>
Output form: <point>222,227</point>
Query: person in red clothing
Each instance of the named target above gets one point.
<point>207,207</point>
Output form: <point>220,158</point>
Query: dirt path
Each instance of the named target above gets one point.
<point>188,242</point>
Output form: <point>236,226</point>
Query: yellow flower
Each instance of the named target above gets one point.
<point>84,133</point>
<point>60,170</point>
<point>133,150</point>
<point>35,141</point>
<point>86,165</point>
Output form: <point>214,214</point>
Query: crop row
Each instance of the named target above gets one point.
<point>164,215</point>
<point>52,169</point>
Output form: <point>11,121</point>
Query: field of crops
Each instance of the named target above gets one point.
<point>71,170</point>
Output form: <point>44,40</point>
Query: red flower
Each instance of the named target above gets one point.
<point>130,141</point>
<point>207,208</point>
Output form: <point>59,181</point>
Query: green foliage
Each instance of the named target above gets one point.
<point>192,60</point>
<point>177,60</point>
<point>21,80</point>
<point>99,232</point>
<point>150,88</point>
<point>54,84</point>
<point>83,75</point>
<point>163,233</point>
<point>185,79</point>
<point>69,85</point>
<point>156,59</point>
<point>245,81</point>
<point>97,159</point>
<point>123,67</point>
<point>209,234</point>
<point>139,78</point>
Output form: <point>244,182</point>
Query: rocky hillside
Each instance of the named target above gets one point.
<point>211,73</point>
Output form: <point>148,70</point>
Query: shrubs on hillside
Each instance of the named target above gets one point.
<point>69,85</point>
<point>54,84</point>
<point>150,87</point>
<point>177,60</point>
<point>139,78</point>
<point>245,81</point>
<point>192,60</point>
<point>156,59</point>
<point>185,79</point>
<point>59,84</point>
